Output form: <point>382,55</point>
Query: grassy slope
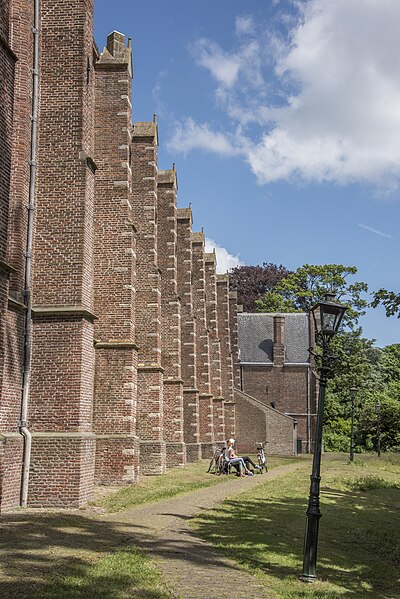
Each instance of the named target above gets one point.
<point>359,547</point>
<point>176,482</point>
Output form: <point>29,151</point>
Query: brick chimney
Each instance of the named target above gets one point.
<point>279,340</point>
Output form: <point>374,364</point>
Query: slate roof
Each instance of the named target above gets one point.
<point>256,334</point>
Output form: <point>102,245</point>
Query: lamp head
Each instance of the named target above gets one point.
<point>327,316</point>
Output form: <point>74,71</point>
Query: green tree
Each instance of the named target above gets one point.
<point>306,286</point>
<point>389,300</point>
<point>357,363</point>
<point>389,416</point>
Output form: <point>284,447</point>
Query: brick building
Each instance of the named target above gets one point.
<point>117,337</point>
<point>276,371</point>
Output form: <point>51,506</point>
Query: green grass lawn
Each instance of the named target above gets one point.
<point>359,541</point>
<point>176,481</point>
<point>79,555</point>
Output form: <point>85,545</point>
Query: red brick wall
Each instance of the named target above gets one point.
<point>225,338</point>
<point>115,397</point>
<point>206,424</point>
<point>148,299</point>
<point>212,324</point>
<point>188,334</point>
<point>61,398</point>
<point>15,82</point>
<point>286,387</point>
<point>233,326</point>
<point>256,423</point>
<point>170,317</point>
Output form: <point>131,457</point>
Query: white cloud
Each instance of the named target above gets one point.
<point>222,66</point>
<point>372,230</point>
<point>189,135</point>
<point>244,25</point>
<point>225,260</point>
<point>331,108</point>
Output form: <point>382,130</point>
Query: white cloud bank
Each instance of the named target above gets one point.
<point>329,109</point>
<point>225,260</point>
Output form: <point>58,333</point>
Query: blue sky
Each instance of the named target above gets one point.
<point>283,119</point>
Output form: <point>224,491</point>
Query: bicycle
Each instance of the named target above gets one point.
<point>261,457</point>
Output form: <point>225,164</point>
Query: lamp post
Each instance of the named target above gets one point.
<point>353,391</point>
<point>327,316</point>
<point>378,428</point>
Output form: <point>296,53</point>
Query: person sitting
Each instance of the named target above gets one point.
<point>236,461</point>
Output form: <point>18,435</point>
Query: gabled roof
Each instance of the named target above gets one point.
<point>256,338</point>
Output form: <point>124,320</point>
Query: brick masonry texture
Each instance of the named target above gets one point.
<point>115,391</point>
<point>134,337</point>
<point>257,423</point>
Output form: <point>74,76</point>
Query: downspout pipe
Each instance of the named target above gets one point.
<point>23,424</point>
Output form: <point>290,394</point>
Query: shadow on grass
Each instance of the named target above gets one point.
<point>359,547</point>
<point>56,556</point>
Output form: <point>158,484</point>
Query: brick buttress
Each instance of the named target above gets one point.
<point>115,397</point>
<point>170,318</point>
<point>215,348</point>
<point>188,332</point>
<point>226,354</point>
<point>61,401</point>
<point>150,409</point>
<point>206,423</point>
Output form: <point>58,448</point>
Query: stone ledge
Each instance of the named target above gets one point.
<point>172,381</point>
<point>6,46</point>
<point>4,266</point>
<point>117,436</point>
<point>115,345</point>
<point>150,368</point>
<point>63,311</point>
<point>61,435</point>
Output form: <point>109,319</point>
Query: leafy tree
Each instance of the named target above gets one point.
<point>357,363</point>
<point>389,416</point>
<point>389,300</point>
<point>251,282</point>
<point>391,363</point>
<point>305,287</point>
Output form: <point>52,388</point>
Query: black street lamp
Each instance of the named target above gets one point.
<point>327,316</point>
<point>378,428</point>
<point>353,391</point>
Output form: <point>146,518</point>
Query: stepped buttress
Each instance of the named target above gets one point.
<point>150,410</point>
<point>206,424</point>
<point>115,397</point>
<point>188,330</point>
<point>170,318</point>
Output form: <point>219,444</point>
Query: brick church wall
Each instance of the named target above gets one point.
<point>61,393</point>
<point>226,353</point>
<point>170,318</point>
<point>131,366</point>
<point>215,348</point>
<point>150,411</point>
<point>11,319</point>
<point>115,397</point>
<point>188,335</point>
<point>206,420</point>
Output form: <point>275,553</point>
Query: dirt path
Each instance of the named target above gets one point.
<point>192,568</point>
